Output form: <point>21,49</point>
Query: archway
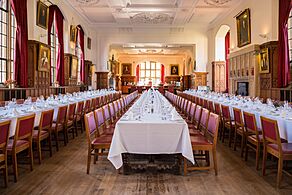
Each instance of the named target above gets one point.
<point>220,66</point>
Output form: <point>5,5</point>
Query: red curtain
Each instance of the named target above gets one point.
<point>55,11</point>
<point>162,74</point>
<point>227,47</point>
<point>284,66</point>
<point>21,46</point>
<point>81,41</point>
<point>137,73</point>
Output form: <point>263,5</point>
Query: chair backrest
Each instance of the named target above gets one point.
<point>198,115</point>
<point>205,103</point>
<point>238,117</point>
<point>211,106</point>
<point>270,130</point>
<point>4,134</point>
<point>192,112</point>
<point>93,104</point>
<point>212,127</point>
<point>122,103</point>
<point>116,106</point>
<point>71,111</point>
<point>97,102</point>
<point>188,107</point>
<point>62,112</point>
<point>204,119</point>
<point>225,113</point>
<point>46,120</point>
<point>87,106</point>
<point>90,126</point>
<point>217,109</point>
<point>250,122</point>
<point>112,111</point>
<point>24,127</point>
<point>80,106</point>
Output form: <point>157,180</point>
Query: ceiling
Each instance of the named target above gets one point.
<point>149,13</point>
<point>152,49</point>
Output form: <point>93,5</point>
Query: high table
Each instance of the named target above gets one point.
<point>148,128</point>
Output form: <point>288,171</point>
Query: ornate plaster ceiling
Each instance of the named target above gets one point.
<point>148,13</point>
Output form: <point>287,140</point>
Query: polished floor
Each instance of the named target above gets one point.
<point>65,173</point>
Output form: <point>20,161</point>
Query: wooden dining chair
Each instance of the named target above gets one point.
<point>87,106</point>
<point>207,143</point>
<point>107,117</point>
<point>60,125</point>
<point>79,117</point>
<point>101,125</point>
<point>97,102</point>
<point>205,103</point>
<point>238,130</point>
<point>98,145</point>
<point>228,124</point>
<point>93,104</point>
<point>113,113</point>
<point>191,115</point>
<point>71,118</point>
<point>21,141</point>
<point>254,139</point>
<point>273,145</point>
<point>4,136</point>
<point>204,120</point>
<point>211,106</point>
<point>43,132</point>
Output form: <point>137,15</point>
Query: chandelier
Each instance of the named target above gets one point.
<point>216,2</point>
<point>87,2</point>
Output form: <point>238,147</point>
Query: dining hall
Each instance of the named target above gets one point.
<point>145,97</point>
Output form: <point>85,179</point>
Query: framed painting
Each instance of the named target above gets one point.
<point>88,43</point>
<point>174,69</point>
<point>264,61</point>
<point>73,33</point>
<point>44,58</point>
<point>126,67</point>
<point>243,28</point>
<point>42,15</point>
<point>74,66</point>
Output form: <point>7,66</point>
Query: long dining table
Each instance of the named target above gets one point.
<point>283,115</point>
<point>12,111</point>
<point>150,126</point>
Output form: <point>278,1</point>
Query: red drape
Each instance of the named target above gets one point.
<point>137,73</point>
<point>55,11</point>
<point>284,66</point>
<point>81,41</point>
<point>21,46</point>
<point>227,47</point>
<point>162,73</point>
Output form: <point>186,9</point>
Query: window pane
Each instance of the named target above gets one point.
<point>152,65</point>
<point>147,73</point>
<point>147,65</point>
<point>153,73</point>
<point>158,73</point>
<point>142,73</point>
<point>142,66</point>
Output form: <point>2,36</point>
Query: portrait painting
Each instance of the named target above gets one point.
<point>74,65</point>
<point>42,15</point>
<point>264,61</point>
<point>243,28</point>
<point>44,58</point>
<point>126,67</point>
<point>174,69</point>
<point>73,33</point>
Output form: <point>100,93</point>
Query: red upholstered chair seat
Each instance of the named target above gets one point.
<point>43,134</point>
<point>102,140</point>
<point>199,140</point>
<point>194,132</point>
<point>19,143</point>
<point>253,139</point>
<point>286,147</point>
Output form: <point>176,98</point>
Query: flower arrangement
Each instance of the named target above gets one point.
<point>10,83</point>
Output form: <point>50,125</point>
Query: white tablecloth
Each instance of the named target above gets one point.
<point>284,123</point>
<point>151,135</point>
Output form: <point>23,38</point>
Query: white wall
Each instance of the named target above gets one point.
<point>71,18</point>
<point>264,20</point>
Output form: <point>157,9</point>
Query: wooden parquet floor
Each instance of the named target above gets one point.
<point>65,173</point>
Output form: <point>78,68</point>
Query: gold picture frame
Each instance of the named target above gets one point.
<point>243,28</point>
<point>74,66</point>
<point>174,69</point>
<point>127,68</point>
<point>44,62</point>
<point>264,61</point>
<point>73,33</point>
<point>42,15</point>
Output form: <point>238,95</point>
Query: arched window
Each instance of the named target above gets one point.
<point>290,38</point>
<point>150,71</point>
<point>54,52</point>
<point>7,41</point>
